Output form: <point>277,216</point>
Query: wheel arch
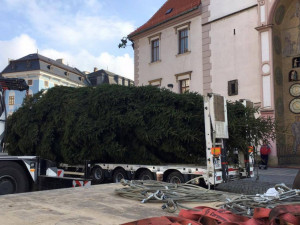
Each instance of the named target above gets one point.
<point>140,170</point>
<point>168,172</point>
<point>22,164</point>
<point>118,168</point>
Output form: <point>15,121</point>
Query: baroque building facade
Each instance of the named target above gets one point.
<point>246,49</point>
<point>99,77</point>
<point>41,73</point>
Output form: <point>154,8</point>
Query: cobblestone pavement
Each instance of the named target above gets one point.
<point>262,181</point>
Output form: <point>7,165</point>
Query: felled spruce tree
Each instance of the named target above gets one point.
<point>117,124</point>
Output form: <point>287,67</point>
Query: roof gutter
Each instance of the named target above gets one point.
<point>174,17</point>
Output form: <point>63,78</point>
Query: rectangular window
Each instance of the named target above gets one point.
<point>155,50</point>
<point>11,100</point>
<point>29,82</point>
<point>46,84</point>
<point>233,87</point>
<point>184,86</point>
<point>183,41</point>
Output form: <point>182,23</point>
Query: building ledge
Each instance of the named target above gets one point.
<point>158,61</point>
<point>264,27</point>
<point>182,54</point>
<point>267,110</point>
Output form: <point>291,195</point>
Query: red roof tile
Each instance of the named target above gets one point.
<point>178,7</point>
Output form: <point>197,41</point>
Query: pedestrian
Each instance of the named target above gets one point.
<point>265,150</point>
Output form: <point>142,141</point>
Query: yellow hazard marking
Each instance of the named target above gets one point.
<point>32,170</point>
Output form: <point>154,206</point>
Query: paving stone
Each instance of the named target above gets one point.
<point>260,184</point>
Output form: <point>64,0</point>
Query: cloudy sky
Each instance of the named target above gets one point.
<point>86,33</point>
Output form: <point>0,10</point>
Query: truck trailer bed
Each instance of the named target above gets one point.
<point>83,205</point>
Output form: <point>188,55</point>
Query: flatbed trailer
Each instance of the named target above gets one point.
<point>167,173</point>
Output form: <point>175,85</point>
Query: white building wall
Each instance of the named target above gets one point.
<point>220,8</point>
<point>171,63</point>
<point>236,56</point>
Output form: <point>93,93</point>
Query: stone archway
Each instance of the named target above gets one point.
<point>285,18</point>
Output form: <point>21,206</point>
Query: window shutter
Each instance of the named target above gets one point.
<point>236,87</point>
<point>229,88</point>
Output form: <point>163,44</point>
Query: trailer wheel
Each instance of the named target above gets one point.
<point>119,174</point>
<point>97,175</point>
<point>175,178</point>
<point>146,175</point>
<point>13,178</point>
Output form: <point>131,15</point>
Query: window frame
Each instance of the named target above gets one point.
<point>185,39</point>
<point>184,88</point>
<point>30,81</point>
<point>155,50</point>
<point>232,92</point>
<point>46,82</point>
<point>11,100</point>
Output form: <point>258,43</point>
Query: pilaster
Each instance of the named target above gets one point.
<point>206,51</point>
<point>136,63</point>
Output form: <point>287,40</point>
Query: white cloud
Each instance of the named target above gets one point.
<point>77,23</point>
<point>80,31</point>
<point>83,60</point>
<point>16,48</point>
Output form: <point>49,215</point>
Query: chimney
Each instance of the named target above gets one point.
<point>95,69</point>
<point>61,61</point>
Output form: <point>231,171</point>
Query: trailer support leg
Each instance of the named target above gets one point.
<point>87,169</point>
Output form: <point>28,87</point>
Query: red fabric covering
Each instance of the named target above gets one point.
<point>265,150</point>
<point>164,220</point>
<point>178,6</point>
<point>283,214</point>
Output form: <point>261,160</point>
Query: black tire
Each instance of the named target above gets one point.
<point>13,178</point>
<point>202,183</point>
<point>146,175</point>
<point>118,175</point>
<point>175,178</point>
<point>97,175</point>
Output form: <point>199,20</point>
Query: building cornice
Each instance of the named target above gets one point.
<point>264,27</point>
<point>231,14</point>
<point>168,23</point>
<point>39,73</point>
